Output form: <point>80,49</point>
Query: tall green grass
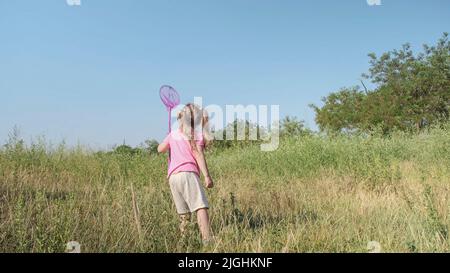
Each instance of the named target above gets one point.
<point>313,194</point>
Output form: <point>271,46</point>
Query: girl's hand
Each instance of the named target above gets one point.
<point>209,182</point>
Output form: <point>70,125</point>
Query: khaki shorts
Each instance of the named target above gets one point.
<point>187,192</point>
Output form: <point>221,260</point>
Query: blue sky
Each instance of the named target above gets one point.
<point>91,73</point>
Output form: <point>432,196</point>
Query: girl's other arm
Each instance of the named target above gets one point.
<point>201,161</point>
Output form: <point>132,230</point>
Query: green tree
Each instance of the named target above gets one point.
<point>151,146</point>
<point>291,126</point>
<point>249,129</point>
<point>412,92</point>
<point>341,110</point>
<point>126,150</point>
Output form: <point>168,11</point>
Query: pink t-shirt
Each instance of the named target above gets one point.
<point>181,156</point>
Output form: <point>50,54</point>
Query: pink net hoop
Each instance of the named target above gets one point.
<point>169,96</point>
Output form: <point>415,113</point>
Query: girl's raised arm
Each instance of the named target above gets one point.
<point>163,147</point>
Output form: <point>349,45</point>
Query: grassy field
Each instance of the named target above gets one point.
<point>314,194</point>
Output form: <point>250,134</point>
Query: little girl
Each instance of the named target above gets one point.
<point>187,159</point>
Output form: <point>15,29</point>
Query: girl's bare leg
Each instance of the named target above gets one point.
<point>185,219</point>
<point>203,223</point>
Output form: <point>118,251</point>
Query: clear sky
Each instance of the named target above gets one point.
<point>91,73</point>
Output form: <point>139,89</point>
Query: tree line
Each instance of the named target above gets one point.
<point>412,93</point>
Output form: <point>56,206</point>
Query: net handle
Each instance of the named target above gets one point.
<point>170,120</point>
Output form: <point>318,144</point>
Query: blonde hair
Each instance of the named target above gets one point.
<point>190,118</point>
